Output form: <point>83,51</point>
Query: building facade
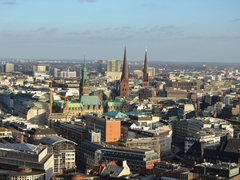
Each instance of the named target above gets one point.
<point>22,154</point>
<point>64,153</point>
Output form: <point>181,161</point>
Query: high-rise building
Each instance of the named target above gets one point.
<point>41,69</point>
<point>124,84</point>
<point>113,65</point>
<point>113,70</point>
<point>100,66</point>
<point>8,67</point>
<point>151,71</point>
<point>145,82</point>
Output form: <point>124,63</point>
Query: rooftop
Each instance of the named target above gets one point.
<point>52,140</point>
<point>19,147</point>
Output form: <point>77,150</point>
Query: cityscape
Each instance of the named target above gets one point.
<point>104,90</point>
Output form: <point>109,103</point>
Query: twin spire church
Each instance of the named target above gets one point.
<point>84,87</point>
<point>124,81</point>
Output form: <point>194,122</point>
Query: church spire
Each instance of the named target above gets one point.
<point>84,69</point>
<point>124,84</point>
<point>84,59</point>
<point>145,71</point>
<point>125,66</point>
<point>84,84</point>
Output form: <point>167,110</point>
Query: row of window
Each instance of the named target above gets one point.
<point>34,177</point>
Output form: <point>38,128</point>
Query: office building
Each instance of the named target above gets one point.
<point>8,67</point>
<point>151,71</point>
<point>110,128</point>
<point>41,69</point>
<point>93,154</point>
<point>113,65</point>
<point>100,67</point>
<point>113,70</point>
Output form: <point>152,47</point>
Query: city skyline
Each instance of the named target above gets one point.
<point>195,31</point>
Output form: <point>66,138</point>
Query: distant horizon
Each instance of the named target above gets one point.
<point>139,61</point>
<point>172,31</point>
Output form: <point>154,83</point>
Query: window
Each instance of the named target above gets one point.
<point>29,178</point>
<point>14,178</point>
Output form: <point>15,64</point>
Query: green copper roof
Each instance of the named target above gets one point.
<point>90,100</point>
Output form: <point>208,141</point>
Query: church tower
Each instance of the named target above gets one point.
<point>84,87</point>
<point>124,84</point>
<point>145,82</point>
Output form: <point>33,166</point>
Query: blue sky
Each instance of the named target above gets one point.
<point>172,30</point>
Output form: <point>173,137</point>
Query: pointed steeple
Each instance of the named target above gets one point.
<point>84,70</point>
<point>84,85</point>
<point>125,66</point>
<point>124,84</point>
<point>145,82</point>
<point>145,70</point>
<point>84,59</point>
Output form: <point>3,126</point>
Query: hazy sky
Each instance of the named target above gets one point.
<point>172,30</point>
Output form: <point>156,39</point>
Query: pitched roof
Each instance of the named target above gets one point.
<point>233,145</point>
<point>90,100</point>
<point>112,171</point>
<point>196,149</point>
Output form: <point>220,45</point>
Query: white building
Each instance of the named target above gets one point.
<point>67,74</point>
<point>208,130</point>
<point>155,129</point>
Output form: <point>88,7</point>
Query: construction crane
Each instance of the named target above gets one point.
<point>51,99</point>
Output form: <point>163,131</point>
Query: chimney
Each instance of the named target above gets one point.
<point>22,137</point>
<point>198,105</point>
